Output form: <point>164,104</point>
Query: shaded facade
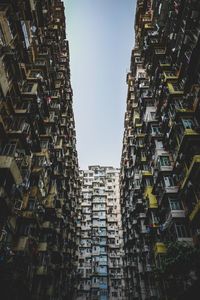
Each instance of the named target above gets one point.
<point>39,186</point>
<point>101,239</point>
<point>160,164</point>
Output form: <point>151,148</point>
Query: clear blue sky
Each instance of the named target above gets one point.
<point>101,36</point>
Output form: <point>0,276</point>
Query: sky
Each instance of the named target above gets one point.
<point>101,36</point>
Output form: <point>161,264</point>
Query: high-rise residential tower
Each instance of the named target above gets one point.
<point>101,239</point>
<point>160,166</point>
<point>39,179</point>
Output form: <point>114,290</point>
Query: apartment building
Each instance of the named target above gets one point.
<point>39,178</point>
<point>101,238</point>
<point>160,165</point>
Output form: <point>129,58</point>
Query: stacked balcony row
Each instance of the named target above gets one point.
<point>39,186</point>
<point>161,149</point>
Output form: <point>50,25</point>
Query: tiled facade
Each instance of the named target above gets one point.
<point>101,239</point>
<point>160,166</point>
<point>39,178</point>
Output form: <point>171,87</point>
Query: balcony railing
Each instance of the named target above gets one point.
<point>171,189</point>
<point>164,168</point>
<point>188,240</point>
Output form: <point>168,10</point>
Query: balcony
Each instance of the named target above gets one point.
<point>148,268</point>
<point>190,133</point>
<point>148,26</point>
<point>187,240</point>
<point>41,271</point>
<point>177,213</point>
<point>160,51</point>
<point>175,89</point>
<point>166,190</point>
<point>47,225</point>
<point>141,216</point>
<point>173,214</point>
<point>55,95</point>
<point>23,109</point>
<point>42,247</point>
<point>146,173</point>
<point>42,64</point>
<point>179,109</point>
<point>183,138</point>
<point>22,244</point>
<point>30,90</point>
<point>171,189</point>
<point>164,164</point>
<point>51,119</point>
<point>8,163</point>
<point>30,215</point>
<point>160,248</point>
<point>18,128</point>
<point>35,75</point>
<point>193,172</point>
<point>152,200</point>
<point>165,62</point>
<point>94,284</point>
<point>169,76</point>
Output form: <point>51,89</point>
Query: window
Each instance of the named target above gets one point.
<point>141,75</point>
<point>188,123</point>
<point>141,142</point>
<point>9,149</point>
<point>148,181</point>
<point>27,88</point>
<point>137,182</point>
<point>143,155</point>
<point>168,181</point>
<point>155,129</point>
<point>145,168</point>
<point>103,293</point>
<point>54,93</point>
<point>31,204</point>
<point>153,114</point>
<point>138,130</point>
<point>159,144</point>
<point>181,230</point>
<point>175,204</point>
<point>165,161</point>
<point>40,161</point>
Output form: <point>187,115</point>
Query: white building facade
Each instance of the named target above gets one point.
<point>101,237</point>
